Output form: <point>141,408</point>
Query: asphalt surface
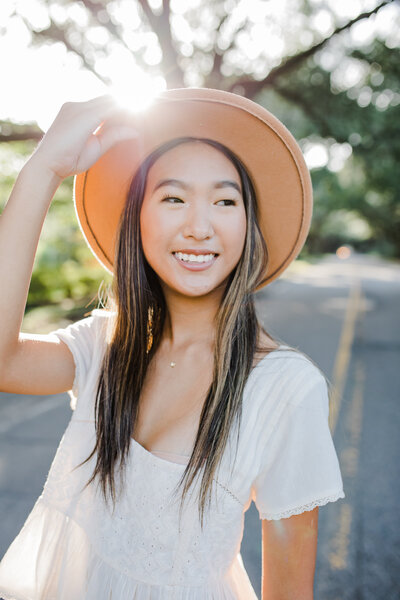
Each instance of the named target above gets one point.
<point>345,315</point>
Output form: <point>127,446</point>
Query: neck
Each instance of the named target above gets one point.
<point>190,321</point>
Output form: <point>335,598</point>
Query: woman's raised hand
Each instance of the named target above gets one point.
<point>70,145</point>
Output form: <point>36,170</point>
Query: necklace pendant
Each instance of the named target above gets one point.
<point>172,364</point>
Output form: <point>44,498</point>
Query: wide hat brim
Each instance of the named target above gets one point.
<point>268,150</point>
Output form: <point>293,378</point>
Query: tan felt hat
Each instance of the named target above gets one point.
<point>268,150</point>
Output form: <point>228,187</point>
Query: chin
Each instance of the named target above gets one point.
<point>195,291</point>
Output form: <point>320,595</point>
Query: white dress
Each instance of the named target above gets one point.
<point>72,547</point>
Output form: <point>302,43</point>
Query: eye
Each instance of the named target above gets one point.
<point>171,199</point>
<point>228,202</point>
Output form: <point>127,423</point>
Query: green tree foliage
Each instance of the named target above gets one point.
<point>65,271</point>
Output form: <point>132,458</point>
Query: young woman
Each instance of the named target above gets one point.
<point>184,408</point>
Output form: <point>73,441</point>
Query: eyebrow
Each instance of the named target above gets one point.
<point>178,183</point>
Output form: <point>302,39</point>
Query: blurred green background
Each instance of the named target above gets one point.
<point>329,70</point>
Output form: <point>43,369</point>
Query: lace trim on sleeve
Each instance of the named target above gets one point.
<point>300,509</point>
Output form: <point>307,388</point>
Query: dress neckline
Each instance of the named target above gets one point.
<point>157,459</point>
<point>180,466</point>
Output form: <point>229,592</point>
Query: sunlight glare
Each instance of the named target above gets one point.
<point>316,155</point>
<point>138,96</point>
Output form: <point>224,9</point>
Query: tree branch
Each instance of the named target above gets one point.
<point>250,87</point>
<point>16,133</point>
<point>96,9</point>
<point>214,75</point>
<point>162,28</point>
<point>150,16</point>
<point>214,78</point>
<point>57,34</point>
<point>308,109</point>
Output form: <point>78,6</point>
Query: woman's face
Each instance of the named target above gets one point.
<point>193,219</point>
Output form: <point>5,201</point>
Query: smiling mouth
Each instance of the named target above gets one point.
<point>195,258</point>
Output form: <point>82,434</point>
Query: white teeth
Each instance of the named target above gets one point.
<point>197,258</point>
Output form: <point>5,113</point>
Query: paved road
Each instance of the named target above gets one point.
<point>345,315</point>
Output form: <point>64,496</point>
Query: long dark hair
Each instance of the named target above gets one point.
<point>139,304</point>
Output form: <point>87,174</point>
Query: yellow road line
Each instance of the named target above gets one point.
<point>349,459</point>
<point>343,355</point>
<point>350,455</point>
<point>340,543</point>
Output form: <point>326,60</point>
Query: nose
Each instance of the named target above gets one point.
<point>198,222</point>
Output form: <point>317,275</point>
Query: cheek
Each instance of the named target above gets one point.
<point>150,232</point>
<point>237,235</point>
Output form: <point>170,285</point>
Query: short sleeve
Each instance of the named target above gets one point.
<point>81,338</point>
<point>300,468</point>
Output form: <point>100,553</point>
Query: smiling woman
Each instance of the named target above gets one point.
<point>146,495</point>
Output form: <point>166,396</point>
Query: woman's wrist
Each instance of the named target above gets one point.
<point>36,170</point>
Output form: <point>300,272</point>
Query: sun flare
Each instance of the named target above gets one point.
<point>138,96</point>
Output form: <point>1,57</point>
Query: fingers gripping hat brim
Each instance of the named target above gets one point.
<point>268,150</point>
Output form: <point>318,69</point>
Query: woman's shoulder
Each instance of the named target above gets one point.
<point>286,379</point>
<point>86,334</point>
<point>288,369</point>
<point>292,356</point>
<point>103,314</point>
<point>103,321</point>
<point>283,355</point>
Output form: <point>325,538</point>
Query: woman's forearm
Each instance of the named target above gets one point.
<point>20,227</point>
